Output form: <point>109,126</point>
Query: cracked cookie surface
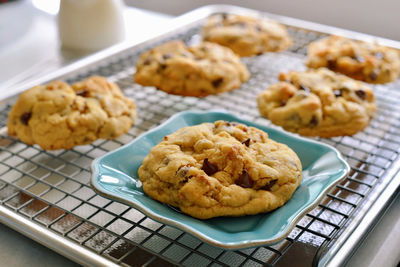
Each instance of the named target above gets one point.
<point>318,103</point>
<point>199,70</point>
<point>359,60</point>
<point>245,35</point>
<point>60,116</point>
<point>221,169</point>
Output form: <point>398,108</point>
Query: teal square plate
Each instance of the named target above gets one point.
<point>114,175</point>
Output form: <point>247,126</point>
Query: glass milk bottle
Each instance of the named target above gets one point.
<point>90,24</point>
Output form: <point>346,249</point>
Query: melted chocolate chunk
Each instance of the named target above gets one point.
<point>373,76</point>
<point>26,117</point>
<point>167,56</point>
<point>147,61</point>
<point>217,82</point>
<point>244,180</point>
<point>331,63</point>
<point>83,93</point>
<point>269,185</point>
<point>314,120</point>
<point>208,167</point>
<point>246,142</point>
<point>182,171</point>
<point>361,94</point>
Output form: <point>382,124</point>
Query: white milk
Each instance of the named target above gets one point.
<point>90,24</point>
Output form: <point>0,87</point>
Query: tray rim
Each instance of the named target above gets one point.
<point>337,252</point>
<point>185,20</point>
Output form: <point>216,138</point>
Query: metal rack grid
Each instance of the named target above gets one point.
<point>52,188</point>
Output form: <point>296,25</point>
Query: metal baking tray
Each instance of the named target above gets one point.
<point>46,195</point>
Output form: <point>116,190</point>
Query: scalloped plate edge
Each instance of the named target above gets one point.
<point>240,245</point>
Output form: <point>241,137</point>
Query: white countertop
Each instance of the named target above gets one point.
<point>30,48</point>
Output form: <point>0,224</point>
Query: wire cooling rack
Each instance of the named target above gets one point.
<point>51,189</point>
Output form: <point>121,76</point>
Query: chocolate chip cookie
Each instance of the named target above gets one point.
<point>221,169</point>
<point>245,35</point>
<point>199,70</point>
<point>359,60</point>
<point>318,103</point>
<point>60,116</point>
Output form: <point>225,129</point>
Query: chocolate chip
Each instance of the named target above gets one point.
<point>217,82</point>
<point>246,142</point>
<point>314,120</point>
<point>224,16</point>
<point>361,94</point>
<point>231,123</point>
<point>258,28</point>
<point>373,76</point>
<point>331,63</point>
<point>244,180</point>
<point>147,61</point>
<point>26,117</point>
<point>304,88</point>
<point>337,92</point>
<point>208,167</point>
<point>269,185</point>
<point>182,171</point>
<point>167,56</point>
<point>83,93</point>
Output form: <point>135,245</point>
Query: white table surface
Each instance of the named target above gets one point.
<point>32,44</point>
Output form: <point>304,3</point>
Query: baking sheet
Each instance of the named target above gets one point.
<point>48,195</point>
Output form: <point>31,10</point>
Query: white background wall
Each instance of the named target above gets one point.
<point>378,17</point>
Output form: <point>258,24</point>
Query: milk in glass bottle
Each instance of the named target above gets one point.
<point>90,24</point>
